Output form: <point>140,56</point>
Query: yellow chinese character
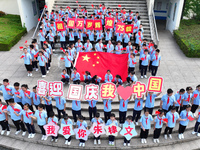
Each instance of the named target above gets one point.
<point>60,26</point>
<point>138,89</point>
<point>71,23</point>
<point>108,90</point>
<point>120,27</point>
<point>89,24</point>
<point>155,84</point>
<point>80,24</point>
<point>97,25</point>
<point>128,29</point>
<point>109,23</point>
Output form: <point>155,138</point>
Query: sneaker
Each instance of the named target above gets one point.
<point>42,137</point>
<point>69,143</point>
<point>17,132</point>
<point>45,137</point>
<point>33,135</point>
<point>8,133</point>
<point>66,142</point>
<point>145,76</point>
<point>29,136</point>
<point>110,143</point>
<point>141,77</point>
<point>179,136</point>
<point>47,71</point>
<point>43,76</point>
<point>30,74</point>
<point>194,114</point>
<point>52,140</point>
<point>193,132</point>
<point>36,69</point>
<point>128,144</point>
<point>83,144</point>
<point>158,141</point>
<point>198,134</point>
<point>80,144</point>
<point>142,141</point>
<point>24,133</point>
<point>154,140</point>
<point>2,132</point>
<point>95,142</point>
<point>113,144</point>
<point>145,141</point>
<point>99,142</point>
<point>136,123</point>
<point>124,144</point>
<point>170,136</point>
<point>56,140</point>
<point>182,136</point>
<point>165,136</point>
<point>49,67</point>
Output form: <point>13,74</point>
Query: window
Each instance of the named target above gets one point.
<point>169,11</point>
<point>174,11</point>
<point>34,8</point>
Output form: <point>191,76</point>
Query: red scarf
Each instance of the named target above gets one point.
<point>35,96</point>
<point>187,115</point>
<point>150,98</point>
<point>28,113</point>
<point>41,58</point>
<point>66,122</point>
<point>108,77</point>
<point>173,119</point>
<point>59,100</point>
<point>53,121</point>
<point>146,120</point>
<point>188,99</point>
<point>76,103</point>
<point>138,104</point>
<point>145,57</point>
<point>100,46</point>
<point>156,57</point>
<point>92,103</point>
<point>123,103</point>
<point>168,100</point>
<point>160,120</point>
<point>71,35</point>
<point>40,115</point>
<point>107,104</point>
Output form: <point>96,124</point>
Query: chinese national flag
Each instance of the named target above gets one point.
<point>120,27</point>
<point>89,24</point>
<point>129,28</point>
<point>80,23</point>
<point>97,25</point>
<point>109,23</point>
<point>97,63</point>
<point>60,26</point>
<point>71,23</point>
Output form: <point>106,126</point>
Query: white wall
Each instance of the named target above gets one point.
<point>9,6</point>
<point>165,4</point>
<point>174,24</point>
<point>26,13</point>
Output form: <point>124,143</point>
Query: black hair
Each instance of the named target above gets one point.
<point>11,100</point>
<point>158,50</point>
<point>169,91</point>
<point>87,72</point>
<point>41,52</point>
<point>112,115</point>
<point>80,117</point>
<point>16,84</point>
<point>147,110</point>
<point>173,108</point>
<point>188,106</point>
<point>25,86</point>
<point>188,88</point>
<point>41,106</point>
<point>51,114</point>
<point>161,111</point>
<point>118,76</point>
<point>182,90</point>
<point>63,70</point>
<point>138,17</point>
<point>27,105</point>
<point>108,70</point>
<point>31,46</point>
<point>5,80</point>
<point>132,72</point>
<point>97,115</point>
<point>35,87</point>
<point>129,117</point>
<point>66,117</point>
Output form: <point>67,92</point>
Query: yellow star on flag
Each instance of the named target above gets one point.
<point>86,58</point>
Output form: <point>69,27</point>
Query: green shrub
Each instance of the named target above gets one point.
<point>2,13</point>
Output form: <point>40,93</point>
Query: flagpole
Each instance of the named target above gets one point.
<point>76,59</point>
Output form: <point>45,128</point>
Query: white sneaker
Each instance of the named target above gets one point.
<point>24,133</point>
<point>66,142</point>
<point>95,142</point>
<point>80,144</point>
<point>110,143</point>
<point>36,69</point>
<point>8,133</point>
<point>30,74</point>
<point>17,132</point>
<point>45,137</point>
<point>124,144</point>
<point>136,123</point>
<point>99,142</point>
<point>154,140</point>
<point>32,135</point>
<point>193,132</point>
<point>69,143</point>
<point>52,140</point>
<point>165,136</point>
<point>29,136</point>
<point>49,67</point>
<point>141,77</point>
<point>198,134</point>
<point>42,137</point>
<point>2,132</point>
<point>179,136</point>
<point>158,141</point>
<point>113,144</point>
<point>83,144</point>
<point>182,136</point>
<point>142,141</point>
<point>47,71</point>
<point>194,114</point>
<point>43,76</point>
<point>56,140</point>
<point>170,136</point>
<point>145,76</point>
<point>145,141</point>
<point>128,144</point>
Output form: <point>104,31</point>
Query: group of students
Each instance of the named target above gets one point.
<point>74,41</point>
<point>173,108</point>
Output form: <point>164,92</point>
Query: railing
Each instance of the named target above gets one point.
<point>155,27</point>
<point>38,23</point>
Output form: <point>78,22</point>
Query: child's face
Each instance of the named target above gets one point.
<point>34,90</point>
<point>190,91</point>
<point>64,72</point>
<point>146,53</point>
<point>157,53</point>
<point>128,120</point>
<point>24,89</point>
<point>146,113</point>
<point>133,47</point>
<point>40,54</point>
<point>188,109</point>
<point>108,72</point>
<point>25,107</point>
<point>5,83</point>
<point>16,87</point>
<point>80,120</point>
<point>112,118</point>
<point>161,114</point>
<point>25,51</point>
<point>150,93</point>
<point>40,109</point>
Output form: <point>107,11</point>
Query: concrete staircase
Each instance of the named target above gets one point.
<point>133,5</point>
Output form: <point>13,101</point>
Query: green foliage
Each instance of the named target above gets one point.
<point>2,13</point>
<point>187,37</point>
<point>192,6</point>
<point>11,31</point>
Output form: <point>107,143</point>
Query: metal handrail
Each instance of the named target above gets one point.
<point>38,23</point>
<point>155,26</point>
